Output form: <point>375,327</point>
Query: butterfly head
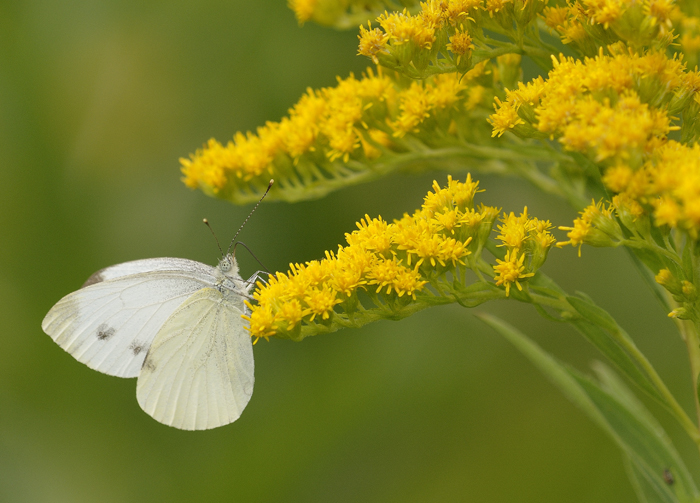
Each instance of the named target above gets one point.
<point>231,279</point>
<point>229,266</point>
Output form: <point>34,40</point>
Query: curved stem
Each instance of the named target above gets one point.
<point>690,337</point>
<point>688,425</point>
<point>645,244</point>
<point>626,342</point>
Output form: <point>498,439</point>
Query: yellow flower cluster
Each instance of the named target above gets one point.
<point>688,28</point>
<point>303,9</point>
<point>524,237</point>
<point>330,116</point>
<point>591,24</point>
<point>617,110</point>
<point>596,226</point>
<point>357,120</point>
<point>682,291</point>
<point>386,264</point>
<point>665,189</point>
<point>342,13</point>
<point>404,34</point>
<point>421,101</point>
<point>669,185</point>
<point>391,265</point>
<point>611,107</point>
<point>440,37</point>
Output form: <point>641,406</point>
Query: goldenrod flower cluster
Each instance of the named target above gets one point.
<point>390,270</point>
<point>590,24</point>
<point>610,107</point>
<point>442,36</point>
<point>340,135</point>
<point>597,225</point>
<point>683,292</point>
<point>688,28</point>
<point>664,192</point>
<point>618,111</point>
<point>342,13</point>
<point>523,237</point>
<point>364,128</point>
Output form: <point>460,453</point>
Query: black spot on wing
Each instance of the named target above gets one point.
<point>148,365</point>
<point>95,278</point>
<point>136,347</point>
<point>104,332</point>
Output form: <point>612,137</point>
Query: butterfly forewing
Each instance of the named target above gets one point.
<point>189,267</point>
<point>110,324</point>
<point>199,370</point>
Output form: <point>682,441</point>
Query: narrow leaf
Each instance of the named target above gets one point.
<point>618,356</point>
<point>613,385</point>
<point>648,491</point>
<point>593,313</point>
<point>541,280</point>
<point>650,453</point>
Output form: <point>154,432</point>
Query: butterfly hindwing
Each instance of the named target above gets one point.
<point>199,370</point>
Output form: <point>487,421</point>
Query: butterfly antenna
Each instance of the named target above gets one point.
<point>206,222</point>
<point>252,254</point>
<point>248,217</point>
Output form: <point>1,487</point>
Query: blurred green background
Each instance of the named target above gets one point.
<point>98,100</point>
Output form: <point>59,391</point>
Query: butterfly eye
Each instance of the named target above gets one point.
<point>225,265</point>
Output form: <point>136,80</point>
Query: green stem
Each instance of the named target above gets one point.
<point>690,337</point>
<point>648,245</point>
<point>628,344</point>
<point>556,303</point>
<point>552,186</point>
<point>682,417</point>
<point>538,53</point>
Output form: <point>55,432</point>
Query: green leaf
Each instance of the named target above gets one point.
<point>593,313</point>
<point>613,385</point>
<point>618,412</point>
<point>544,283</point>
<point>601,329</point>
<point>546,315</point>
<point>618,356</point>
<point>648,491</point>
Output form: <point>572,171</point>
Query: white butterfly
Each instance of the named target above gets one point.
<point>173,323</point>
